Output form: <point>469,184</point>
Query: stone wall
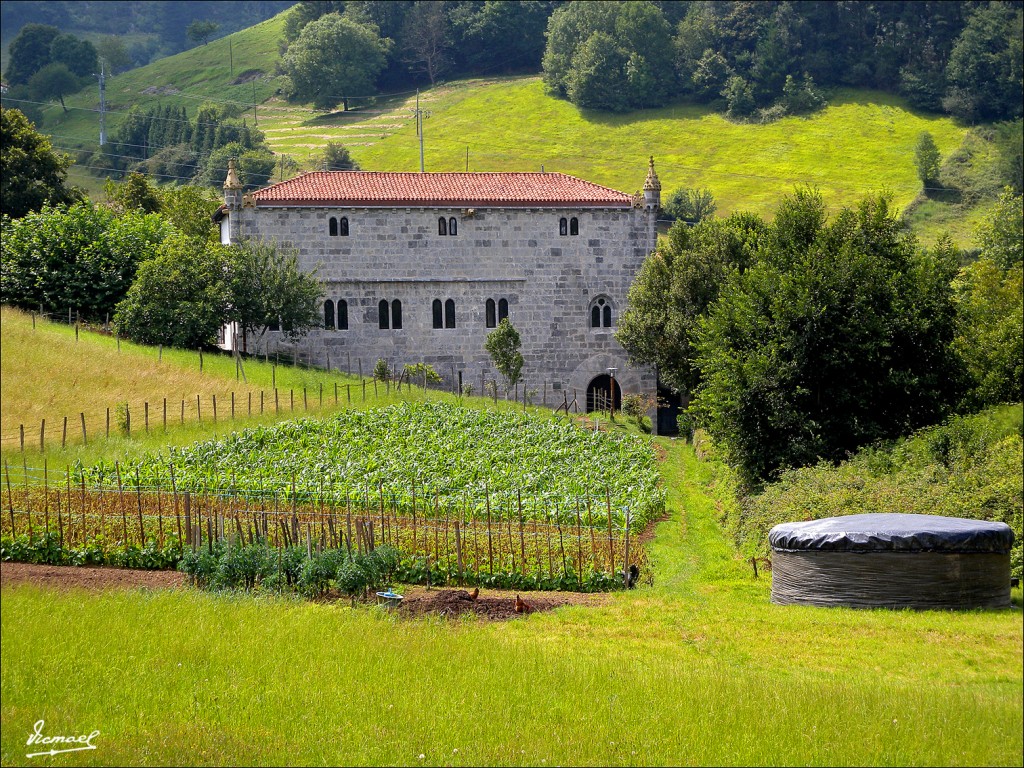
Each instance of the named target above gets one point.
<point>548,279</point>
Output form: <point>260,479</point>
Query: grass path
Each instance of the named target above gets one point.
<point>699,669</point>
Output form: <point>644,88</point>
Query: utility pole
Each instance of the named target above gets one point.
<point>420,114</point>
<point>103,105</point>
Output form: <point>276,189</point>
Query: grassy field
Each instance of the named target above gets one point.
<point>38,383</point>
<point>699,669</point>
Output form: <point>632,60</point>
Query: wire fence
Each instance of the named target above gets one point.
<point>454,537</point>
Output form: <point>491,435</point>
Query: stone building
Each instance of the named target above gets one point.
<point>420,267</point>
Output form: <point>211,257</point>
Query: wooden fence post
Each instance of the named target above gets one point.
<point>146,407</point>
<point>42,435</point>
<point>64,434</point>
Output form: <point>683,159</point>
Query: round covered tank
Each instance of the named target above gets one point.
<point>892,561</point>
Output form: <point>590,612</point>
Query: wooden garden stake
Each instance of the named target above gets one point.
<point>165,414</point>
<point>182,411</point>
<point>42,435</point>
<point>305,401</point>
<point>138,496</point>
<point>522,539</point>
<point>10,501</point>
<point>64,434</point>
<point>232,405</point>
<point>199,409</point>
<point>21,434</point>
<point>85,441</point>
<point>46,500</point>
<point>611,548</point>
<point>625,565</point>
<point>120,501</point>
<point>214,408</point>
<point>146,416</point>
<point>458,551</point>
<point>490,549</point>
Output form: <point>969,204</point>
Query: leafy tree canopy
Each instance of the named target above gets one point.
<point>837,336</point>
<point>78,55</point>
<point>31,173</point>
<point>179,297</point>
<point>266,286</point>
<point>503,345</point>
<point>54,81</point>
<point>82,258</point>
<point>334,58</point>
<point>30,52</point>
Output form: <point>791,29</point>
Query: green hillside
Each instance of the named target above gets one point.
<point>860,144</point>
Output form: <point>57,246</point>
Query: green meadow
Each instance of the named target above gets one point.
<point>698,668</point>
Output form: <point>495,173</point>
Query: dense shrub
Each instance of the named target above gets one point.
<point>967,467</point>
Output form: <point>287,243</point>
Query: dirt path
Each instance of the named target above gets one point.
<point>69,577</point>
<point>491,604</point>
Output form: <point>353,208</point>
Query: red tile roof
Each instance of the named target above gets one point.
<point>366,188</point>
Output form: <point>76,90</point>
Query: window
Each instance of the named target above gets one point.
<point>438,319</point>
<point>502,309</point>
<point>563,226</point>
<point>489,307</point>
<point>442,226</point>
<point>601,313</point>
<point>396,314</point>
<point>383,316</point>
<point>343,226</point>
<point>449,313</point>
<point>332,227</point>
<point>329,314</point>
<point>574,226</point>
<point>342,315</point>
<point>453,226</point>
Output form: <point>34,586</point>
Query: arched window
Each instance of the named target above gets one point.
<point>438,312</point>
<point>396,314</point>
<point>453,226</point>
<point>502,309</point>
<point>342,315</point>
<point>383,316</point>
<point>601,313</point>
<point>442,226</point>
<point>489,312</point>
<point>343,226</point>
<point>574,226</point>
<point>332,227</point>
<point>449,313</point>
<point>563,226</point>
<point>329,314</point>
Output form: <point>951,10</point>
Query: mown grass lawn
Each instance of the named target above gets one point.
<point>698,669</point>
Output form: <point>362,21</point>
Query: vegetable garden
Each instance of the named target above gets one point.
<point>464,496</point>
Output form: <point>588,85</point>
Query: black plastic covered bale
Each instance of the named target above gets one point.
<point>892,561</point>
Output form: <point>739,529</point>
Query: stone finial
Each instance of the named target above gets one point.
<point>232,181</point>
<point>652,182</point>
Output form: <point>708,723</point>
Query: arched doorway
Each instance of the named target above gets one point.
<point>601,391</point>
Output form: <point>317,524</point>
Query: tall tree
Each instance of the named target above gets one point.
<point>201,31</point>
<point>31,173</point>
<point>29,52</point>
<point>266,286</point>
<point>334,58</point>
<point>985,66</point>
<point>426,39</point>
<point>927,159</point>
<point>54,81</point>
<point>838,336</point>
<point>179,297</point>
<point>76,54</point>
<point>677,285</point>
<point>502,345</point>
